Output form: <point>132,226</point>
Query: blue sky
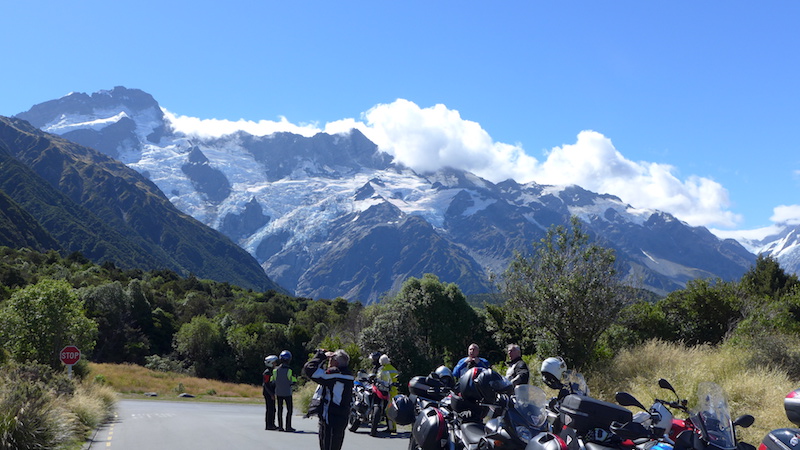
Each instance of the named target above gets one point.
<point>685,106</point>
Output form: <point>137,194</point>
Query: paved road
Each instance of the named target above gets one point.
<point>158,424</point>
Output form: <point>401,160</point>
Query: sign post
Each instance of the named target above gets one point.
<point>70,355</point>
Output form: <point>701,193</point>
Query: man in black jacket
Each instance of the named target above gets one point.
<point>337,391</point>
<point>517,369</point>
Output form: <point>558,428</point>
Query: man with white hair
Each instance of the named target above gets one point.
<point>337,391</point>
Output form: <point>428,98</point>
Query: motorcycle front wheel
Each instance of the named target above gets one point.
<point>355,422</point>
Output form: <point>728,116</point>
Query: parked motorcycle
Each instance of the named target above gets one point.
<point>522,423</point>
<point>519,420</point>
<point>709,425</point>
<point>370,399</point>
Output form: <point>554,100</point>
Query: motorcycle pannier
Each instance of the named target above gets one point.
<point>430,429</point>
<point>792,406</point>
<point>583,413</point>
<point>780,439</point>
<point>426,387</point>
<point>401,410</point>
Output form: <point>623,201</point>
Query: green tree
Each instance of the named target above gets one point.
<point>569,291</point>
<point>40,319</point>
<point>702,313</point>
<point>203,344</point>
<point>767,280</point>
<point>425,325</point>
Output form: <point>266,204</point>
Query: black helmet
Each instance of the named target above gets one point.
<point>443,374</point>
<point>401,410</point>
<point>285,356</point>
<point>482,385</point>
<point>376,358</point>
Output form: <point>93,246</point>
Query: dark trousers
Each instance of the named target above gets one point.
<point>289,410</point>
<point>269,417</point>
<point>331,435</point>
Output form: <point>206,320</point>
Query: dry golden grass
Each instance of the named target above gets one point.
<point>758,391</point>
<point>133,379</point>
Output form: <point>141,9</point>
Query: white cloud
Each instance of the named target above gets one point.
<point>427,139</point>
<point>788,214</point>
<point>218,127</point>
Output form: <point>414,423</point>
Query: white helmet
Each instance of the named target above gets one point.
<point>270,361</point>
<point>552,370</point>
<point>384,359</point>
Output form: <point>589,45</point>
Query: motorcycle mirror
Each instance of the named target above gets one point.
<point>744,421</point>
<point>626,399</point>
<point>664,384</point>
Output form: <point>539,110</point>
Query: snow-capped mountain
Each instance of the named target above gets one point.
<point>331,215</point>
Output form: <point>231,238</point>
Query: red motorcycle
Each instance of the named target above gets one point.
<point>709,426</point>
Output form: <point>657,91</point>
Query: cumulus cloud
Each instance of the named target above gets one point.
<point>427,139</point>
<point>788,214</point>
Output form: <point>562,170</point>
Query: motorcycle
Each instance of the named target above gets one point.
<point>370,399</point>
<point>522,424</point>
<point>519,420</point>
<point>709,425</point>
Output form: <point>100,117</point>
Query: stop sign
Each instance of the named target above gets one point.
<point>70,355</point>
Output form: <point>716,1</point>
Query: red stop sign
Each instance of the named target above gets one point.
<point>70,355</point>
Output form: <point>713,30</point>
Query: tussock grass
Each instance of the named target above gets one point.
<point>751,389</point>
<point>134,379</point>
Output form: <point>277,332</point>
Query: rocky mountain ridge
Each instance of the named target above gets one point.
<point>332,215</point>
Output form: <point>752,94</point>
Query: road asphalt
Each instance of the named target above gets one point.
<point>160,424</point>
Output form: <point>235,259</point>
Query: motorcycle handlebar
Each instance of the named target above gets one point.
<point>677,405</point>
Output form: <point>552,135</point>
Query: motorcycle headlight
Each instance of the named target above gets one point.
<point>524,433</point>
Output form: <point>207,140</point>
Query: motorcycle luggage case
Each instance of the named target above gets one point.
<point>401,410</point>
<point>426,387</point>
<point>583,413</point>
<point>792,406</point>
<point>781,439</point>
<point>430,429</point>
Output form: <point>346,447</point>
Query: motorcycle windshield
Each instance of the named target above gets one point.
<point>531,402</point>
<point>712,416</point>
<point>576,383</point>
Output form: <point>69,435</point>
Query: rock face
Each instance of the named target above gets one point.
<point>331,215</point>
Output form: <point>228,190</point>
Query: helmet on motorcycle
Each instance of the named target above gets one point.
<point>286,356</point>
<point>270,361</point>
<point>444,375</point>
<point>376,358</point>
<point>481,385</point>
<point>552,370</point>
<point>384,359</point>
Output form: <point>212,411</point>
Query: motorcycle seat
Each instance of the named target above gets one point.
<point>472,432</point>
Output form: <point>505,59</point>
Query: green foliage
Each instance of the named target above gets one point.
<point>423,326</point>
<point>703,313</point>
<point>569,291</point>
<point>39,320</point>
<point>767,280</point>
<point>203,343</point>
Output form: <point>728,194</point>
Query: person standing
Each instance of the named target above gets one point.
<point>337,392</point>
<point>517,372</point>
<point>471,360</point>
<point>268,389</point>
<point>389,374</point>
<point>284,379</point>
